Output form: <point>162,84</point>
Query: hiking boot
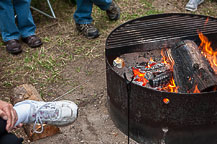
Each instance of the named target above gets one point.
<point>113,11</point>
<point>88,30</point>
<point>192,4</point>
<point>13,46</point>
<point>54,113</point>
<point>32,41</point>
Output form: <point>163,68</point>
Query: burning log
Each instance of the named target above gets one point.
<point>153,73</point>
<point>190,68</point>
<point>25,92</point>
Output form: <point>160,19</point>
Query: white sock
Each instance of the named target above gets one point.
<point>23,111</point>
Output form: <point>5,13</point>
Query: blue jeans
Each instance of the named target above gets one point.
<point>25,25</point>
<point>83,12</point>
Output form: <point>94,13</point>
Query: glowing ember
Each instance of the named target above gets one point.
<point>166,100</point>
<point>163,79</point>
<point>139,76</point>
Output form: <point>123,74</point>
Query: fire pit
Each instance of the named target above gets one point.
<point>148,114</point>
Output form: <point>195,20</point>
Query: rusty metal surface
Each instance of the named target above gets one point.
<point>186,116</point>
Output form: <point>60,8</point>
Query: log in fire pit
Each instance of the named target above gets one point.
<point>162,79</point>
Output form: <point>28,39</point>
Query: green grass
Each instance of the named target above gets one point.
<point>67,59</point>
<point>64,48</point>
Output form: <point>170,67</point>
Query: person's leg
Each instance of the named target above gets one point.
<point>103,4</point>
<point>26,24</point>
<point>2,127</point>
<point>55,113</point>
<point>10,138</point>
<point>25,21</point>
<point>111,8</point>
<point>7,138</point>
<point>83,19</point>
<point>83,12</point>
<point>8,27</point>
<point>9,31</point>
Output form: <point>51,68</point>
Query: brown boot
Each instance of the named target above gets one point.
<point>32,41</point>
<point>114,11</point>
<point>13,46</point>
<point>88,30</point>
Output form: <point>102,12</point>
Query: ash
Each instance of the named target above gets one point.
<point>154,73</point>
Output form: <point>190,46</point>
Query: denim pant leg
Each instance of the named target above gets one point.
<point>83,12</point>
<point>8,26</point>
<point>102,4</point>
<point>25,21</point>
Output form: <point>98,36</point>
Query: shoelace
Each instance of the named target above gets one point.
<point>86,26</point>
<point>112,7</point>
<point>50,113</point>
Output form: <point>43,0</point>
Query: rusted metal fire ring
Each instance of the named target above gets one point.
<point>156,115</point>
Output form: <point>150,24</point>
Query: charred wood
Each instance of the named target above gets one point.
<point>191,69</point>
<point>161,79</point>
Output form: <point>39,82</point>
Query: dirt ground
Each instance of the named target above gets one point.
<point>68,61</point>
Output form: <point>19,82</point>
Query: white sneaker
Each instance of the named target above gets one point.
<point>192,5</point>
<point>54,113</point>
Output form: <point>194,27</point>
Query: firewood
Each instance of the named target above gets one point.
<point>191,69</point>
<point>28,92</point>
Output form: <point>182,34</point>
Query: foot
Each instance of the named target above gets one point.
<point>88,30</point>
<point>192,5</point>
<point>114,11</point>
<point>58,113</point>
<point>32,41</point>
<point>13,46</point>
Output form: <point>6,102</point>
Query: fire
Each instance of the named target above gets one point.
<point>207,20</point>
<point>163,57</point>
<point>151,63</point>
<point>171,87</point>
<point>208,51</point>
<point>196,90</point>
<point>139,76</point>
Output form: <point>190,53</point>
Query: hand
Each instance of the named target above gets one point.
<point>8,113</point>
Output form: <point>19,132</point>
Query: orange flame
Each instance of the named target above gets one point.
<point>140,76</point>
<point>163,57</point>
<point>207,51</point>
<point>151,64</point>
<point>207,19</point>
<point>196,90</point>
<point>171,87</point>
